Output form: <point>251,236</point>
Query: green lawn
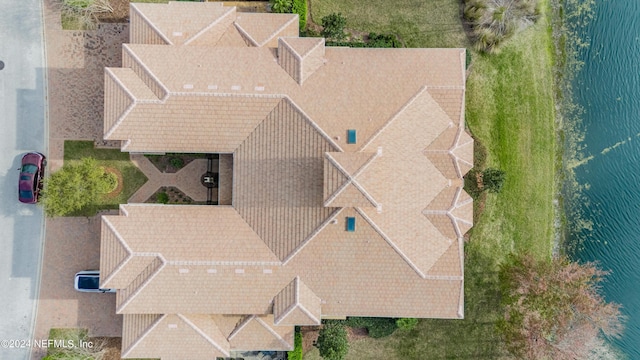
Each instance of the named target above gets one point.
<point>510,112</point>
<point>133,178</point>
<point>418,23</point>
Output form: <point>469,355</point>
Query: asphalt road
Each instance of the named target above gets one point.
<point>22,129</point>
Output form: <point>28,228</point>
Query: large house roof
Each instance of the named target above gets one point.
<point>318,225</point>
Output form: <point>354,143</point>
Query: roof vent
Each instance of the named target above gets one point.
<point>236,87</point>
<point>351,136</point>
<point>173,326</point>
<point>188,86</point>
<point>183,271</point>
<point>177,33</point>
<point>239,271</point>
<point>351,224</point>
<point>267,271</point>
<point>212,271</point>
<point>212,87</point>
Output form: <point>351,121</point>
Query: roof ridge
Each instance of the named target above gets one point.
<point>422,90</point>
<point>313,123</point>
<point>203,334</point>
<point>240,327</point>
<point>344,185</point>
<point>128,109</point>
<point>311,236</point>
<point>391,243</point>
<point>245,34</point>
<point>273,332</point>
<point>320,42</point>
<point>231,9</point>
<point>282,27</point>
<point>150,23</point>
<point>134,56</point>
<point>144,334</point>
<point>309,314</point>
<point>143,284</point>
<point>351,179</point>
<point>124,245</point>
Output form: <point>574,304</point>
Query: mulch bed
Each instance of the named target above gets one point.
<point>165,164</point>
<point>175,196</point>
<point>120,186</point>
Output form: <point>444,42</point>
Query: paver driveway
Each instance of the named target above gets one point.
<point>76,61</point>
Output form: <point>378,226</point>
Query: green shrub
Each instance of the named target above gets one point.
<point>281,6</point>
<point>177,162</point>
<point>332,341</point>
<point>376,327</point>
<point>383,41</point>
<point>300,7</point>
<point>296,353</point>
<point>407,323</point>
<point>333,26</point>
<point>494,21</point>
<point>162,197</point>
<point>493,179</point>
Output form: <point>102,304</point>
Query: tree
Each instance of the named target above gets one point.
<point>333,26</point>
<point>75,186</point>
<point>332,341</point>
<point>553,310</point>
<point>281,6</point>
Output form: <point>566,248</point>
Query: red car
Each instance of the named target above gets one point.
<point>31,174</point>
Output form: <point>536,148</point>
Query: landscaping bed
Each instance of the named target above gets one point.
<point>172,163</point>
<point>130,178</point>
<point>170,195</point>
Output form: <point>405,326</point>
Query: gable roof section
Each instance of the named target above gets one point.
<point>174,335</point>
<point>452,152</point>
<point>300,57</point>
<point>177,24</point>
<point>296,304</point>
<point>206,124</point>
<point>453,206</point>
<point>264,29</point>
<point>278,174</point>
<point>364,275</point>
<point>256,333</point>
<point>211,233</point>
<point>204,287</point>
<point>404,181</point>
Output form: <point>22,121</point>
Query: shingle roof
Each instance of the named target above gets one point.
<point>296,304</point>
<point>177,24</point>
<point>172,337</point>
<point>257,333</point>
<point>279,252</point>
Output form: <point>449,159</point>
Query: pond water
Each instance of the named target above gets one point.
<point>608,89</point>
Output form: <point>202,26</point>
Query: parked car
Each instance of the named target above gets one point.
<point>31,174</point>
<point>89,281</point>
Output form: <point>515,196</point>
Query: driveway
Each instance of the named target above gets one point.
<point>73,244</point>
<point>76,61</point>
<point>23,128</point>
